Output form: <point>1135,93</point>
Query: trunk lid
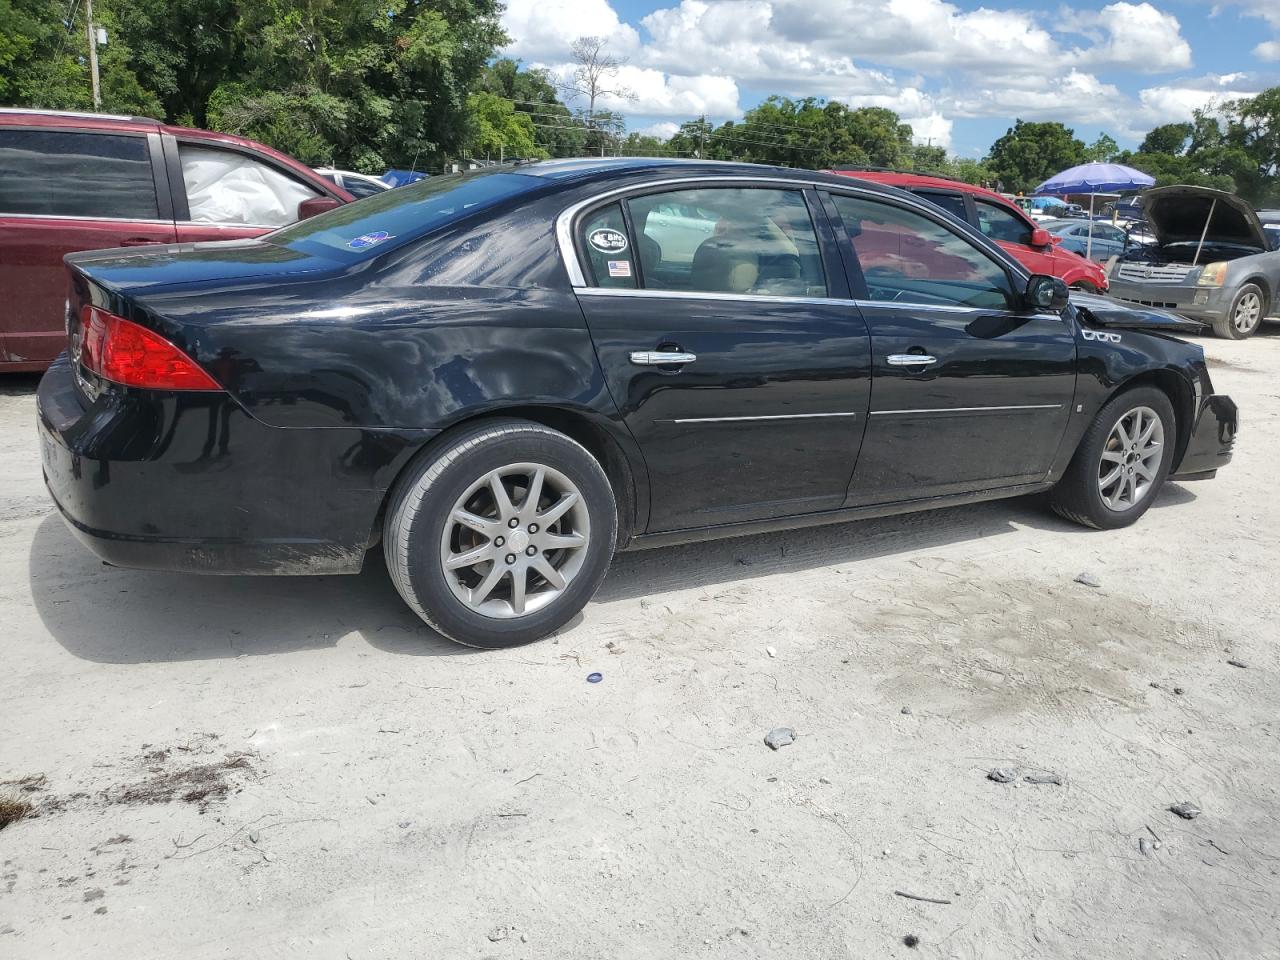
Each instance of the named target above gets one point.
<point>1177,214</point>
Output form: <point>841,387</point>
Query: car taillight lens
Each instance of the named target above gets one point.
<point>123,352</point>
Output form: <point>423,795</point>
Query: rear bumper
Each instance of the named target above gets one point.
<point>1213,435</point>
<point>191,482</point>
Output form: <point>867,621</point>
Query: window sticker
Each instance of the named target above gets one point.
<point>619,268</point>
<point>368,239</point>
<point>607,240</point>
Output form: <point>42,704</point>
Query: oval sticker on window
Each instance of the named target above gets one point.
<point>368,240</point>
<point>608,241</point>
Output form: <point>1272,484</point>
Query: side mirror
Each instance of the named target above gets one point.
<point>313,205</point>
<point>1047,293</point>
<point>1040,237</point>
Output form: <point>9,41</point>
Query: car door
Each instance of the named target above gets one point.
<point>62,191</point>
<point>227,194</point>
<point>1012,233</point>
<point>741,368</point>
<point>970,390</point>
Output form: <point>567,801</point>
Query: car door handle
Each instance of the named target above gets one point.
<point>140,242</point>
<point>910,359</point>
<point>653,358</point>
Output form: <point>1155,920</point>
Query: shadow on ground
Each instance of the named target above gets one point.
<point>109,615</point>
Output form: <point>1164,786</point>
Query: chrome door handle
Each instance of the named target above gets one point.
<point>910,359</point>
<point>652,358</point>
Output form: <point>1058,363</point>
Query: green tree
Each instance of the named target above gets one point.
<point>531,92</point>
<point>1103,150</point>
<point>1168,138</point>
<point>1029,153</point>
<point>498,131</point>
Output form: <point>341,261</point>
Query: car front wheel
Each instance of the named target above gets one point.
<point>1245,314</point>
<point>1121,462</point>
<point>503,535</point>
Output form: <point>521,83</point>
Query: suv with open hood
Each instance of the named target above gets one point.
<point>1212,261</point>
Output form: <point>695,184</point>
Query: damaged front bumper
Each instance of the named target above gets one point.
<point>1213,435</point>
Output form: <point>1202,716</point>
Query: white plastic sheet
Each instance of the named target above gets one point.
<point>226,187</point>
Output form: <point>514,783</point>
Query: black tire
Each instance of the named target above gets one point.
<point>1077,496</point>
<point>1228,328</point>
<point>421,506</point>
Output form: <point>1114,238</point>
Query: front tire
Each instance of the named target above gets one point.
<point>1121,462</point>
<point>1245,314</point>
<point>503,535</point>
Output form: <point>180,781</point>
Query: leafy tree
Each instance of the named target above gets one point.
<point>499,131</point>
<point>531,92</point>
<point>1103,150</point>
<point>1029,153</point>
<point>1168,138</point>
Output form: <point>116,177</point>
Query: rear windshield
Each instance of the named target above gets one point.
<point>394,217</point>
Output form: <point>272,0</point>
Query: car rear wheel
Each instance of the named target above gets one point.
<point>503,535</point>
<point>1121,462</point>
<point>1245,314</point>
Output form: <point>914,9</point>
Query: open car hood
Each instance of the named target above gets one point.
<point>1103,311</point>
<point>1177,214</point>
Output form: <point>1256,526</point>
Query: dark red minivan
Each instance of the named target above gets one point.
<point>78,181</point>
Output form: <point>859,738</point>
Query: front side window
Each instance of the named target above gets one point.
<point>228,187</point>
<point>89,175</point>
<point>750,240</point>
<point>359,188</point>
<point>1001,223</point>
<point>907,258</point>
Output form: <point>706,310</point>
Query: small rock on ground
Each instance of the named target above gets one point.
<point>1186,810</point>
<point>1237,663</point>
<point>779,737</point>
<point>1044,778</point>
<point>1002,775</point>
<point>499,933</point>
<point>1088,579</point>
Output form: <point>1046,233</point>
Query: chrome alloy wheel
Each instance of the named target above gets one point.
<point>1131,459</point>
<point>515,540</point>
<point>1248,312</point>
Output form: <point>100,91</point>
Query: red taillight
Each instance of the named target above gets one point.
<point>123,352</point>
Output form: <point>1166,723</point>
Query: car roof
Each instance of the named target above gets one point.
<point>587,169</point>
<point>906,180</point>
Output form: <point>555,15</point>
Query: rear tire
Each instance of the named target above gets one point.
<point>501,536</point>
<point>1114,477</point>
<point>1245,314</point>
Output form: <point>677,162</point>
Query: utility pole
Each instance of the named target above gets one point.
<point>93,53</point>
<point>702,137</point>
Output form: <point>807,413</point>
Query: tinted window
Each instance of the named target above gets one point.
<point>953,203</point>
<point>604,238</point>
<point>728,240</point>
<point>406,213</point>
<point>908,258</point>
<point>360,188</point>
<point>1001,223</point>
<point>76,175</point>
<point>224,186</point>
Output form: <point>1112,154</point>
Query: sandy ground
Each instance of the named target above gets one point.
<point>295,767</point>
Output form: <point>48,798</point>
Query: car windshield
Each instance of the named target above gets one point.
<point>394,217</point>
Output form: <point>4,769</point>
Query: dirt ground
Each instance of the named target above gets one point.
<point>296,767</point>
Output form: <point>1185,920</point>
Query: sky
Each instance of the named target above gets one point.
<point>958,72</point>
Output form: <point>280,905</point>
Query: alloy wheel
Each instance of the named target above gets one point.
<point>1131,459</point>
<point>515,540</point>
<point>1248,312</point>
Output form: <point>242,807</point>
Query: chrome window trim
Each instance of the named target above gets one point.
<point>1029,406</point>
<point>234,226</point>
<point>775,416</point>
<point>704,295</point>
<point>65,216</point>
<point>578,280</point>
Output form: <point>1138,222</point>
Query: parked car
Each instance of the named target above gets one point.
<point>1270,220</point>
<point>503,376</point>
<point>77,181</point>
<point>1108,241</point>
<point>1212,261</point>
<point>399,178</point>
<point>1001,220</point>
<point>359,185</point>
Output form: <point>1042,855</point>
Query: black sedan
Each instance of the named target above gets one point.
<point>505,376</point>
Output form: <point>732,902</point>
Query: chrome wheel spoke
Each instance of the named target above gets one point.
<point>1113,456</point>
<point>549,573</point>
<point>506,509</point>
<point>557,541</point>
<point>529,509</point>
<point>558,509</point>
<point>519,584</point>
<point>1111,478</point>
<point>471,557</point>
<point>481,593</point>
<point>1145,472</point>
<point>471,521</point>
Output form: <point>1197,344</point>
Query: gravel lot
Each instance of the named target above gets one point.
<point>296,767</point>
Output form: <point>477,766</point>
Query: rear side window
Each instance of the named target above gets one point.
<point>604,238</point>
<point>950,202</point>
<point>752,240</point>
<point>360,188</point>
<point>89,175</point>
<point>228,187</point>
<point>1000,223</point>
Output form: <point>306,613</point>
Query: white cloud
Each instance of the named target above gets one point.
<point>542,30</point>
<point>663,130</point>
<point>1134,36</point>
<point>1176,102</point>
<point>1267,50</point>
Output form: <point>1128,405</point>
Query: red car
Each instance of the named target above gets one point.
<point>997,218</point>
<point>75,181</point>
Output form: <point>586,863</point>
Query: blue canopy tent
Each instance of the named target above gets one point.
<point>1094,178</point>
